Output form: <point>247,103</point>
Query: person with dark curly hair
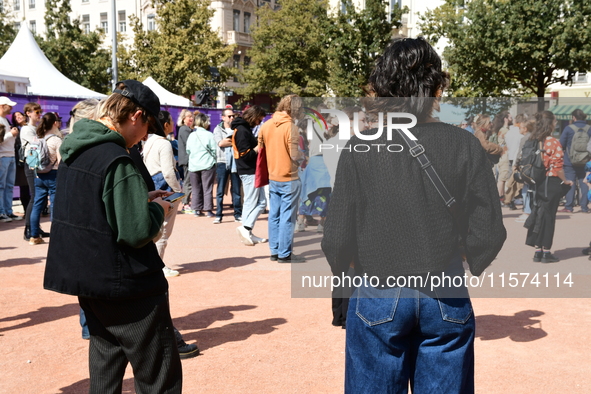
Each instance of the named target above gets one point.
<point>387,220</point>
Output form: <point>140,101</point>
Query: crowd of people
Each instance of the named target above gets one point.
<point>565,163</point>
<point>132,177</point>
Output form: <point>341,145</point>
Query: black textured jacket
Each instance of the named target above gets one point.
<point>84,258</point>
<point>245,142</point>
<point>386,215</point>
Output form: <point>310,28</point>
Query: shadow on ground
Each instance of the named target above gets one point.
<point>218,265</point>
<point>569,253</point>
<point>23,261</point>
<point>521,327</point>
<point>206,317</point>
<point>42,315</point>
<point>233,332</point>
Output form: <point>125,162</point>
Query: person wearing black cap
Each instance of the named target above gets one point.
<point>102,250</point>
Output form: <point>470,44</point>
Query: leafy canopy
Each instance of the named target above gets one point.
<point>7,31</point>
<point>77,55</point>
<point>180,51</point>
<point>289,52</point>
<point>357,39</point>
<point>511,47</point>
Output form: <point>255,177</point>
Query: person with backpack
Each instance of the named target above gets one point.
<point>542,221</point>
<point>574,140</point>
<point>45,163</point>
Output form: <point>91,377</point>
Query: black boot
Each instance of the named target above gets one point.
<point>43,233</point>
<point>27,235</point>
<point>185,350</point>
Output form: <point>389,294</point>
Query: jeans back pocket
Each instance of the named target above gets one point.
<point>376,306</point>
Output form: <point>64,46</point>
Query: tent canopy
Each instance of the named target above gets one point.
<point>166,97</point>
<point>564,112</point>
<point>25,58</point>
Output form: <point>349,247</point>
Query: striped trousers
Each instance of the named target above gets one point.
<point>137,331</point>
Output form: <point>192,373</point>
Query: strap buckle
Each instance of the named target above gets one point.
<point>417,150</point>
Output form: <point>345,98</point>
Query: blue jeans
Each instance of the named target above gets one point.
<point>576,174</point>
<point>44,186</point>
<point>255,201</point>
<point>84,325</point>
<point>409,336</point>
<point>526,194</point>
<point>7,174</point>
<point>283,206</point>
<point>223,173</point>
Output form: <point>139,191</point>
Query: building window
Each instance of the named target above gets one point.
<point>17,5</point>
<point>17,26</point>
<point>86,23</point>
<point>122,23</point>
<point>31,4</point>
<point>236,64</point>
<point>33,27</point>
<point>581,77</point>
<point>236,20</point>
<point>246,62</point>
<point>104,22</point>
<point>247,22</point>
<point>151,22</point>
<point>1,5</point>
<point>85,1</point>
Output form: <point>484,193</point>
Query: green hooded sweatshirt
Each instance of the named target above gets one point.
<point>133,219</point>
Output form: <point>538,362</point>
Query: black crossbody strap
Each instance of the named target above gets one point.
<point>418,151</point>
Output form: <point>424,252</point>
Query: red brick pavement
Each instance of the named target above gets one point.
<point>256,338</point>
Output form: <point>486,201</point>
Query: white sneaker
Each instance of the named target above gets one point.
<point>4,218</point>
<point>320,229</point>
<point>258,240</point>
<point>300,227</point>
<point>522,218</point>
<point>169,272</point>
<point>244,235</point>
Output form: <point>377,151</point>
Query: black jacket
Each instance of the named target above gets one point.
<point>245,142</point>
<point>84,258</point>
<point>387,216</point>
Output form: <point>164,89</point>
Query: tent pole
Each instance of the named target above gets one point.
<point>114,70</point>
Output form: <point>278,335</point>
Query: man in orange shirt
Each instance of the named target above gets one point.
<point>280,138</point>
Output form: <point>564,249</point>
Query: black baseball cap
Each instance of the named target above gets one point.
<point>145,98</point>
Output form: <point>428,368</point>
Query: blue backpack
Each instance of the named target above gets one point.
<point>37,154</point>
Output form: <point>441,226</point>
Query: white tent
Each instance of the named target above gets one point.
<point>25,58</point>
<point>166,97</point>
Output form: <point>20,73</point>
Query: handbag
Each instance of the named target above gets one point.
<point>261,177</point>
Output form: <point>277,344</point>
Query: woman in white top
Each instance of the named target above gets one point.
<point>161,164</point>
<point>28,133</point>
<point>47,130</point>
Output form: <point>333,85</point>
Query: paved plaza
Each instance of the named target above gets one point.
<point>256,338</point>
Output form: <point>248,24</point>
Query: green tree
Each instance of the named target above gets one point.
<point>7,32</point>
<point>180,51</point>
<point>75,54</point>
<point>511,47</point>
<point>357,39</point>
<point>289,53</point>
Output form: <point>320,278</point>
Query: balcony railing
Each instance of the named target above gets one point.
<point>236,37</point>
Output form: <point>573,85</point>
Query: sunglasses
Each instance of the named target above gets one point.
<point>231,116</point>
<point>38,112</point>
